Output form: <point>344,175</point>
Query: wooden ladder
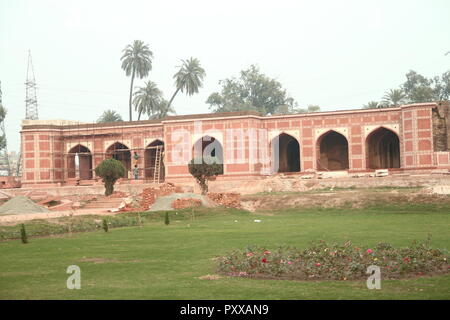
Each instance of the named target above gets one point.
<point>157,164</point>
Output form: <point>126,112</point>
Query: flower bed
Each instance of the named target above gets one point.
<point>322,261</point>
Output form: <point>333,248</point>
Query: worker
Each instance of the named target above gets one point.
<point>136,172</point>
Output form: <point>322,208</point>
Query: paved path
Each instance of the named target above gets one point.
<point>12,219</point>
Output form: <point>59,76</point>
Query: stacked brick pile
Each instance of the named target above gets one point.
<point>149,195</point>
<point>186,203</point>
<point>229,200</point>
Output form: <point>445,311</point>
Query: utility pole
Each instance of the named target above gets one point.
<point>31,112</point>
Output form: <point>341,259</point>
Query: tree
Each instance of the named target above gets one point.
<point>147,99</point>
<point>252,91</point>
<point>441,90</point>
<point>162,110</point>
<point>203,169</point>
<point>137,62</point>
<point>373,105</point>
<point>109,116</point>
<point>188,78</point>
<point>394,97</point>
<point>417,88</point>
<point>110,170</point>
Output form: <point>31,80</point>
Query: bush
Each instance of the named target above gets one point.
<point>335,262</point>
<point>110,170</point>
<point>23,234</point>
<point>203,170</point>
<point>105,225</point>
<point>166,219</point>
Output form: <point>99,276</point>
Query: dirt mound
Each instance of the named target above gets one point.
<point>19,205</point>
<point>165,203</point>
<point>229,200</point>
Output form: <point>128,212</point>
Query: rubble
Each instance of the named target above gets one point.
<point>184,203</point>
<point>150,194</point>
<point>228,200</point>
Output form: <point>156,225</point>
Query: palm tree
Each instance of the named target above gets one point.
<point>109,116</point>
<point>394,97</point>
<point>137,62</point>
<point>147,99</point>
<point>162,110</point>
<point>372,105</point>
<point>188,78</point>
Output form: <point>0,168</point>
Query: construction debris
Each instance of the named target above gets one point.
<point>164,203</point>
<point>381,173</point>
<point>21,204</point>
<point>228,200</point>
<point>149,195</point>
<point>184,203</point>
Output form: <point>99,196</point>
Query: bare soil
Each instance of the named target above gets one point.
<point>356,198</point>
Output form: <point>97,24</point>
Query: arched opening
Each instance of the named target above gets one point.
<point>383,149</point>
<point>285,154</point>
<point>121,153</point>
<point>333,151</point>
<point>79,163</point>
<point>208,147</point>
<point>154,157</point>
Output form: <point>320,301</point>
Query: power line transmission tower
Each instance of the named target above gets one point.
<point>30,84</point>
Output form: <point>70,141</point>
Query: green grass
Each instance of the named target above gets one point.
<point>164,262</point>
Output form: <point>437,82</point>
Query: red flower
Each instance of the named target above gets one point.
<point>318,264</point>
<point>369,251</point>
<point>263,260</point>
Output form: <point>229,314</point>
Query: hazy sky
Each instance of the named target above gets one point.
<point>336,54</point>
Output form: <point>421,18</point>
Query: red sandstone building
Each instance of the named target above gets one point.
<point>410,137</point>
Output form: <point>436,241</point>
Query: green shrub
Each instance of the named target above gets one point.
<point>105,225</point>
<point>203,169</point>
<point>23,234</point>
<point>166,219</point>
<point>110,170</point>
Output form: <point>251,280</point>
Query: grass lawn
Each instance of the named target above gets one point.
<point>164,262</point>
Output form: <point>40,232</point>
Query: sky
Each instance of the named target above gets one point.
<point>335,54</point>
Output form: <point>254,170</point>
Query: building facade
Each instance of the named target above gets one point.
<point>409,137</point>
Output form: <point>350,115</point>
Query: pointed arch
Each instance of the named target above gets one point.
<point>285,153</point>
<point>79,163</point>
<point>151,150</point>
<point>120,152</point>
<point>382,149</point>
<point>208,147</point>
<point>332,151</point>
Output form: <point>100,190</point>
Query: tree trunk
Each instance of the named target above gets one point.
<point>109,188</point>
<point>173,97</point>
<point>131,95</point>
